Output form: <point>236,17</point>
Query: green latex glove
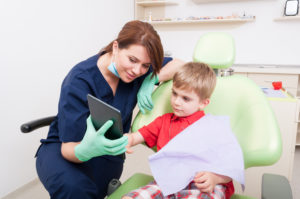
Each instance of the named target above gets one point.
<point>144,94</point>
<point>95,144</point>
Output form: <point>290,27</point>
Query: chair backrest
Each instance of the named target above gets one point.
<point>216,49</point>
<point>251,116</point>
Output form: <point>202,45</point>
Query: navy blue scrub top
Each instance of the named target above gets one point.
<point>86,78</point>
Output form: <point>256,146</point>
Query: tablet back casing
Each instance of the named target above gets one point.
<point>101,112</point>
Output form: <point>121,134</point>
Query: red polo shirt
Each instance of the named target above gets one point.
<point>159,132</point>
<point>164,128</point>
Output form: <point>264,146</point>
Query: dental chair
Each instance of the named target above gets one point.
<point>251,117</point>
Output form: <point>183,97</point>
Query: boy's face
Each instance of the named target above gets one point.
<point>186,102</point>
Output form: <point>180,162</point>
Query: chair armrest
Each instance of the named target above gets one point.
<point>35,124</point>
<point>275,187</point>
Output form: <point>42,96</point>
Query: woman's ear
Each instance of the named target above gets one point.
<point>115,48</point>
<point>115,45</point>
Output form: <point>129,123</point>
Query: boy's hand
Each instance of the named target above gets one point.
<point>133,139</point>
<point>205,181</point>
<point>130,142</point>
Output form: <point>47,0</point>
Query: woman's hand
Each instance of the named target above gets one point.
<point>95,144</point>
<point>145,92</point>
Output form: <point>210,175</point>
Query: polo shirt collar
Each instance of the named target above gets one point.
<point>191,118</point>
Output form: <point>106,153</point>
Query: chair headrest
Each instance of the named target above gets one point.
<point>216,49</point>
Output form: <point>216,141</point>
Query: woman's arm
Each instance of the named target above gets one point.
<point>68,151</point>
<point>167,72</point>
<point>133,139</point>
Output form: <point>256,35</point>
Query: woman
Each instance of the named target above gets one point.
<point>76,161</point>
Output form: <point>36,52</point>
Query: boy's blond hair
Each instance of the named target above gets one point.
<point>196,76</point>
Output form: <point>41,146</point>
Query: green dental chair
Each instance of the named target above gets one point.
<point>251,116</point>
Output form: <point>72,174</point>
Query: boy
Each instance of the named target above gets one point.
<point>193,85</point>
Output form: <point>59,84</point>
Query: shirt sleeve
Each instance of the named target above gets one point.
<point>73,110</point>
<point>151,131</point>
<point>167,60</point>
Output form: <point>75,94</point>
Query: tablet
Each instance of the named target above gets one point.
<point>101,112</point>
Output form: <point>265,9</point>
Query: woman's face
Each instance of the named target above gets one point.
<point>132,62</point>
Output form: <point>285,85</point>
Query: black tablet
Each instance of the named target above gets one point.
<point>101,112</point>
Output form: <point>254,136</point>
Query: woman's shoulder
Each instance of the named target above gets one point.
<point>86,65</point>
<point>83,70</point>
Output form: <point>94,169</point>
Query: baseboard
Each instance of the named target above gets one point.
<point>18,193</point>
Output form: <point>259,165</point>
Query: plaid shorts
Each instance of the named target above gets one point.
<point>152,190</point>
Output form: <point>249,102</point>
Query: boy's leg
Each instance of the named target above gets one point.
<point>151,190</point>
<point>191,191</point>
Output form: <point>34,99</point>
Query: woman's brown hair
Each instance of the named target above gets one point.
<point>141,33</point>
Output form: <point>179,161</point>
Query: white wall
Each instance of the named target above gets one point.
<point>39,42</point>
<point>263,41</point>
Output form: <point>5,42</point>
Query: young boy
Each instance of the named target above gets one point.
<point>193,85</point>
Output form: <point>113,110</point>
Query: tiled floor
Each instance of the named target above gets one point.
<point>35,190</point>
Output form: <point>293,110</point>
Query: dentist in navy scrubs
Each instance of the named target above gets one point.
<point>76,160</point>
